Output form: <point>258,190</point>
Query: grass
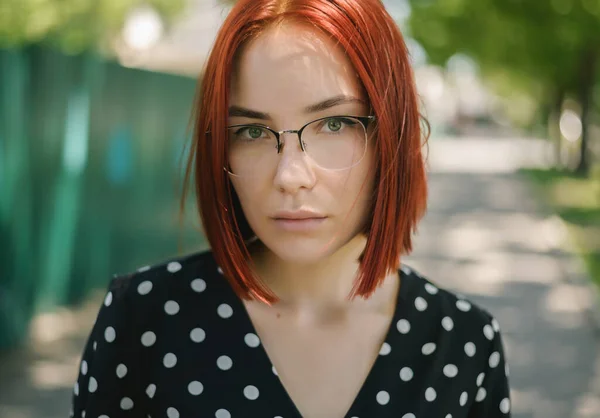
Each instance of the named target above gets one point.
<point>577,201</point>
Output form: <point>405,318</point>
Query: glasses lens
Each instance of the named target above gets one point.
<point>250,147</point>
<point>336,143</point>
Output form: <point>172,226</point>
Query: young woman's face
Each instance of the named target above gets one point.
<point>278,78</point>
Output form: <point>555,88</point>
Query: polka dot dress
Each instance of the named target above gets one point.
<point>175,341</point>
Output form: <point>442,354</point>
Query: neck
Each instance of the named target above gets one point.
<point>324,283</point>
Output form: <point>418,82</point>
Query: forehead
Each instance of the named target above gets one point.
<point>289,67</point>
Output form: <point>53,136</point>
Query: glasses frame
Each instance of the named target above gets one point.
<point>364,120</point>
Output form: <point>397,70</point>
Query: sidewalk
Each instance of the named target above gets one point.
<point>485,236</point>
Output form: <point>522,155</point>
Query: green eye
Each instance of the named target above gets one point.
<point>255,133</point>
<point>334,125</point>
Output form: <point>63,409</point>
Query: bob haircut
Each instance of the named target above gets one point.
<point>376,48</point>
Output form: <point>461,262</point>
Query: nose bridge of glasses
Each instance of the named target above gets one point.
<point>297,133</point>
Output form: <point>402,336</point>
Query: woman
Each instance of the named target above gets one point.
<point>310,181</point>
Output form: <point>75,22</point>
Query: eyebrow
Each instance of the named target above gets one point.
<point>317,107</point>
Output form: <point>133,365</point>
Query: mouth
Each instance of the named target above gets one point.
<point>299,224</point>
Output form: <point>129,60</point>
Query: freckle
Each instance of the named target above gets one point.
<point>278,315</point>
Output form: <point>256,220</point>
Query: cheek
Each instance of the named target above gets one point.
<point>249,196</point>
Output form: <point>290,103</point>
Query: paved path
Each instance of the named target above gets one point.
<point>485,236</point>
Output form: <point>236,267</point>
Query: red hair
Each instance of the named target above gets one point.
<point>376,48</point>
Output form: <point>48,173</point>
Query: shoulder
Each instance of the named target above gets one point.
<point>163,285</point>
<point>169,274</point>
<point>445,305</point>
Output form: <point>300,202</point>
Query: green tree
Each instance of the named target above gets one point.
<point>549,48</point>
<point>71,25</point>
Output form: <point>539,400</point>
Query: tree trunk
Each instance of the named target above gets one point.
<point>553,121</point>
<point>588,71</point>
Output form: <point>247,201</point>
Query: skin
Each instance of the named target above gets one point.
<point>322,343</point>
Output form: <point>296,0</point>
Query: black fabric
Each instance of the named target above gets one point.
<point>173,341</point>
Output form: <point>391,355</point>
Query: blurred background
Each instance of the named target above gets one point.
<point>95,100</point>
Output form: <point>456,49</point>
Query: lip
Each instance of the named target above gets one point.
<point>298,215</point>
<point>298,225</point>
<point>302,220</point>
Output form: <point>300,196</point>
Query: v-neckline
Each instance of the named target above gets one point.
<point>249,325</point>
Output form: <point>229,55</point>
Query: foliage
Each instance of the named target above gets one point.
<point>543,40</point>
<point>548,49</point>
<point>72,25</point>
<point>576,200</point>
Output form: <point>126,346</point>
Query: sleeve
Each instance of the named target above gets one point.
<point>109,381</point>
<point>492,399</point>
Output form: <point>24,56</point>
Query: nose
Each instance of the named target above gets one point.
<point>294,170</point>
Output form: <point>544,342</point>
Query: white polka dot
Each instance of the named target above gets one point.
<point>430,394</point>
<point>224,310</point>
<point>198,285</point>
<point>251,392</point>
<point>448,323</point>
<point>449,416</point>
<point>252,340</point>
<point>126,404</point>
<point>274,370</point>
<point>488,331</point>
<point>173,267</point>
<point>219,270</point>
<point>121,371</point>
<point>95,345</point>
<point>505,406</point>
<point>463,305</point>
<point>84,367</point>
<point>148,338</point>
<point>494,359</point>
<point>108,299</point>
<point>383,397</point>
<point>144,287</point>
<point>406,270</point>
<point>470,349</point>
<point>224,363</point>
<point>82,414</point>
<point>428,348</point>
<point>197,335</point>
<point>464,397</point>
<point>385,349</point>
<point>110,334</point>
<point>408,416</point>
<point>171,307</point>
<point>103,416</point>
<point>403,326</point>
<point>506,369</point>
<point>480,378</point>
<point>480,395</point>
<point>406,374</point>
<point>495,325</point>
<point>420,304</point>
<point>172,413</point>
<point>431,289</point>
<point>92,385</point>
<point>195,388</point>
<point>450,370</point>
<point>76,389</point>
<point>222,413</point>
<point>151,390</point>
<point>143,269</point>
<point>170,360</point>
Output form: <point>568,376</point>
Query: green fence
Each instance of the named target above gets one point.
<point>90,156</point>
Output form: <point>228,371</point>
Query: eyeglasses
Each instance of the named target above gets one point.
<point>332,143</point>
